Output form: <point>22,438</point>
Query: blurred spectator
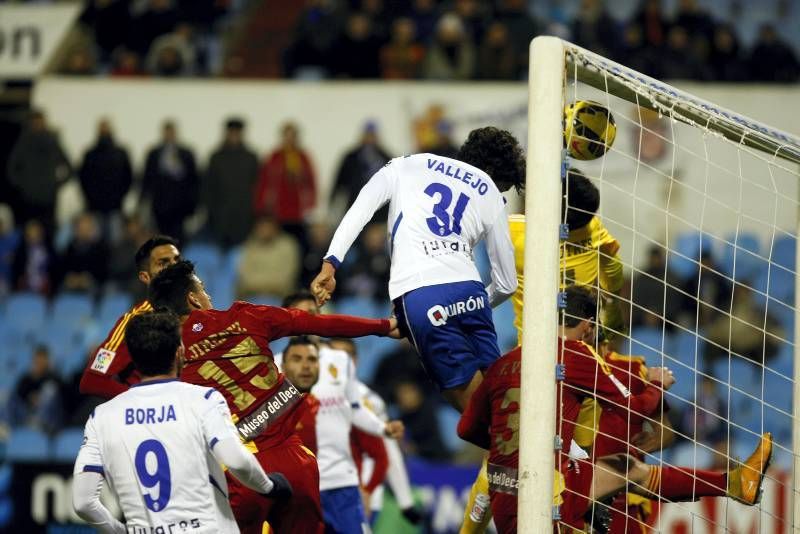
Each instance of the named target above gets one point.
<point>366,274</point>
<point>110,21</point>
<point>270,261</point>
<point>677,60</point>
<point>656,293</point>
<point>401,365</point>
<point>80,62</point>
<point>772,60</point>
<point>126,63</point>
<point>286,185</point>
<point>37,166</point>
<point>171,182</point>
<point>380,17</point>
<point>123,274</point>
<point>227,188</point>
<point>650,18</point>
<point>37,398</point>
<point>521,28</point>
<point>443,145</point>
<point>355,53</point>
<point>424,15</point>
<point>637,55</point>
<point>318,28</point>
<point>474,15</point>
<point>105,174</point>
<point>34,261</point>
<point>496,59</point>
<point>84,265</point>
<point>173,54</point>
<point>451,56</point>
<point>750,330</point>
<point>9,242</point>
<point>709,291</point>
<point>203,13</point>
<point>401,58</point>
<point>319,237</point>
<point>695,19</point>
<point>707,422</point>
<point>158,18</point>
<point>418,413</point>
<point>357,167</point>
<point>594,29</point>
<point>725,58</point>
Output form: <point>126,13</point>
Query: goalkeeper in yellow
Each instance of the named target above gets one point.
<point>588,258</point>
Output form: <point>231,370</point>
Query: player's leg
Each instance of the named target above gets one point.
<point>302,512</point>
<point>451,327</point>
<point>343,511</point>
<point>477,512</point>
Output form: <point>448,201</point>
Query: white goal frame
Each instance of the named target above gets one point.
<point>550,58</point>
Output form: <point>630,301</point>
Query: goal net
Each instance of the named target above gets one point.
<point>700,206</point>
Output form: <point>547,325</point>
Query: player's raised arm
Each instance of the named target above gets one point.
<point>373,196</point>
<point>501,256</point>
<point>223,440</point>
<point>87,483</point>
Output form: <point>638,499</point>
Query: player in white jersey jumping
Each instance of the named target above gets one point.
<point>159,446</point>
<point>439,209</point>
<point>338,400</point>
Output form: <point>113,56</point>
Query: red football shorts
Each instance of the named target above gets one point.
<point>299,514</point>
<point>578,484</point>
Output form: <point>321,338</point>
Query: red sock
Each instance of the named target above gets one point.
<point>681,484</point>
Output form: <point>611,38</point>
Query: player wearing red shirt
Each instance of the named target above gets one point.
<point>492,421</point>
<point>110,371</point>
<point>229,350</point>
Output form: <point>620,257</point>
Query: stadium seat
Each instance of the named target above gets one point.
<point>448,426</point>
<point>783,252</point>
<point>743,251</point>
<point>25,314</point>
<point>114,305</point>
<point>207,259</point>
<point>503,317</point>
<point>360,306</point>
<point>26,444</point>
<point>66,444</point>
<point>647,342</point>
<point>67,347</point>
<point>71,309</point>
<point>685,255</point>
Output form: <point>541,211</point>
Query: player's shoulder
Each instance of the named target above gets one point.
<point>509,363</point>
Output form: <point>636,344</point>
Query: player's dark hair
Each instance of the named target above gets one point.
<point>581,305</point>
<point>498,154</point>
<point>152,339</point>
<point>169,288</point>
<point>301,295</point>
<point>583,198</point>
<point>301,340</point>
<point>142,257</point>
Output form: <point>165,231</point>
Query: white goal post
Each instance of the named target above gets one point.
<point>552,61</point>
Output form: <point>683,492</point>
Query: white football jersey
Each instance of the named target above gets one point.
<point>153,446</point>
<point>439,209</point>
<point>339,405</point>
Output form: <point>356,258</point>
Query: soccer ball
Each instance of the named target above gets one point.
<point>589,130</point>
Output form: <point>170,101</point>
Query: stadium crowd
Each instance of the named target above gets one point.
<point>432,39</point>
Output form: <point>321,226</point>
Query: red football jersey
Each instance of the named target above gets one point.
<point>110,370</point>
<point>306,426</point>
<point>229,350</point>
<point>615,428</point>
<point>491,421</point>
<point>587,374</point>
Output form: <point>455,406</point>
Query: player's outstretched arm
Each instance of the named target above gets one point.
<point>299,322</point>
<point>473,426</point>
<point>86,488</point>
<point>374,195</point>
<point>501,256</point>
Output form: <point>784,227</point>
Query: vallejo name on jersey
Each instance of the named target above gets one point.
<point>459,174</point>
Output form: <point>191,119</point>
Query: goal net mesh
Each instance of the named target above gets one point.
<point>703,204</point>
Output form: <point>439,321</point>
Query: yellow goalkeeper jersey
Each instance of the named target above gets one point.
<point>591,255</point>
